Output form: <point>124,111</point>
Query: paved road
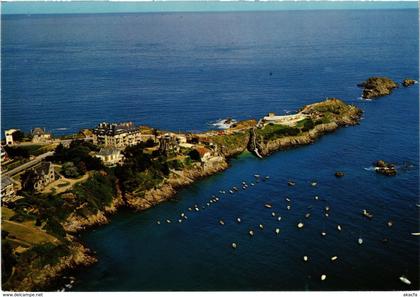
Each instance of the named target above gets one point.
<point>28,164</point>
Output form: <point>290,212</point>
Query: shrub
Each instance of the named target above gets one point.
<point>69,170</point>
<point>194,155</point>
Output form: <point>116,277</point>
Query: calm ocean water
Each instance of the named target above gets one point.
<point>183,71</point>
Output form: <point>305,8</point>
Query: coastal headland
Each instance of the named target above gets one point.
<point>40,227</point>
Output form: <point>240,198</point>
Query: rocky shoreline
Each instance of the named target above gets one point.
<point>339,114</point>
<point>82,256</point>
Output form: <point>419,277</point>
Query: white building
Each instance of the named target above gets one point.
<point>9,136</point>
<point>110,156</point>
<point>288,120</point>
<point>117,135</point>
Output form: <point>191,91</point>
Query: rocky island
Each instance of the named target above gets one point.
<point>385,168</point>
<point>375,87</point>
<point>408,82</point>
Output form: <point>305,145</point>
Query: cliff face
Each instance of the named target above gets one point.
<point>43,277</point>
<point>375,87</point>
<point>287,142</point>
<point>75,222</point>
<point>176,180</point>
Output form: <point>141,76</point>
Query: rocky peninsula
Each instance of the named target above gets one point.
<point>152,172</point>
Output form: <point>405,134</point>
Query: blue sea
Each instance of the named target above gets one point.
<point>185,71</point>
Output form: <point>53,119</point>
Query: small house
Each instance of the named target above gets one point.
<point>40,176</point>
<point>110,156</point>
<point>39,135</point>
<point>9,136</point>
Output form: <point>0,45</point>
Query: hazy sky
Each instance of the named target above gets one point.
<point>33,7</point>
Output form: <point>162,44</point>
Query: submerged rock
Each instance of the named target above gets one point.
<point>339,174</point>
<point>375,87</point>
<point>408,82</point>
<point>385,168</point>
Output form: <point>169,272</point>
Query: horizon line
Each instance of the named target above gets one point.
<point>20,7</point>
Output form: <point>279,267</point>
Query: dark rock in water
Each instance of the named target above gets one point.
<point>377,87</point>
<point>339,174</point>
<point>228,121</point>
<point>385,168</point>
<point>408,82</point>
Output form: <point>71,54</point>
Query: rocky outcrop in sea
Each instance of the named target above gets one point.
<point>375,87</point>
<point>408,82</point>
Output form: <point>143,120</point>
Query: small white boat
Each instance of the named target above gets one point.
<point>415,233</point>
<point>288,207</point>
<point>327,215</point>
<point>327,208</point>
<point>305,258</point>
<point>323,233</point>
<point>390,223</point>
<point>316,197</point>
<point>252,184</point>
<point>273,214</point>
<point>279,219</point>
<point>238,220</point>
<point>268,205</point>
<point>338,227</point>
<point>158,222</point>
<point>257,175</point>
<point>334,258</point>
<point>221,222</point>
<point>360,240</point>
<point>300,225</point>
<point>287,199</point>
<point>251,233</point>
<point>405,280</point>
<point>277,230</point>
<point>307,215</point>
<point>313,184</point>
<point>179,221</point>
<point>230,191</point>
<point>367,214</point>
<point>291,183</point>
<point>168,221</point>
<point>234,245</point>
<point>261,226</point>
<point>323,277</point>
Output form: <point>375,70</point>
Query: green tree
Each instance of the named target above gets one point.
<point>194,155</point>
<point>69,170</point>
